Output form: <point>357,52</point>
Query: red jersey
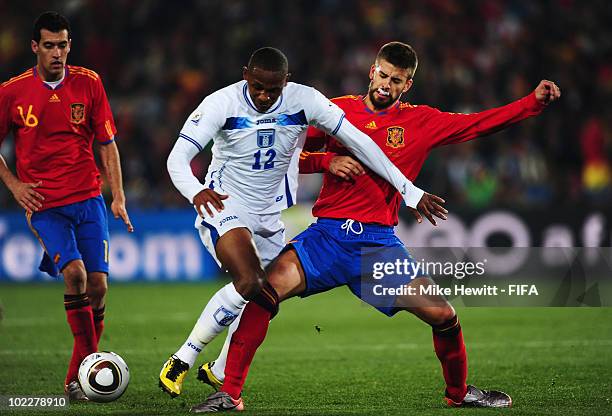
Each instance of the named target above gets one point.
<point>406,133</point>
<point>54,131</point>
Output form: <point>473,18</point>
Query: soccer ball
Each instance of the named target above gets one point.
<point>103,376</point>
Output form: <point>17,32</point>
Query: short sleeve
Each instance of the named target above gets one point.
<point>205,122</point>
<point>102,117</point>
<point>5,113</point>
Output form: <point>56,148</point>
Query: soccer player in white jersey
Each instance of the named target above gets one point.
<point>258,127</point>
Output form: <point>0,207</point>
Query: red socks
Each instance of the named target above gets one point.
<point>447,338</point>
<point>245,341</point>
<point>80,319</point>
<point>450,349</point>
<point>98,318</point>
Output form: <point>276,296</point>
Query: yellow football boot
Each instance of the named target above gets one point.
<point>205,375</point>
<point>172,374</point>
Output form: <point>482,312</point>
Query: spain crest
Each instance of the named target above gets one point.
<point>395,137</point>
<point>77,112</point>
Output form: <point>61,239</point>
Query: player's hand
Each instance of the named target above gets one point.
<point>430,205</point>
<point>207,197</point>
<point>345,167</point>
<point>25,194</point>
<point>547,91</point>
<point>118,210</point>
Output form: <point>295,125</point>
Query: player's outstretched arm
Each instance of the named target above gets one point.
<point>24,193</point>
<point>447,128</point>
<point>111,167</point>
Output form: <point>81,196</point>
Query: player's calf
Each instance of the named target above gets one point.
<point>97,287</point>
<point>80,319</point>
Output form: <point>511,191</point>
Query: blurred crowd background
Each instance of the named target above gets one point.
<point>159,59</point>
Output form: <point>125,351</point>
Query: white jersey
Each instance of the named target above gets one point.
<point>256,155</point>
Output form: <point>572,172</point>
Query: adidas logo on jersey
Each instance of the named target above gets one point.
<point>371,125</point>
<point>54,99</point>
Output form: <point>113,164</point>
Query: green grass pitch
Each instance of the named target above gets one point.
<point>553,361</point>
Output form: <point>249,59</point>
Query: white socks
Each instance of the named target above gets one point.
<point>218,369</point>
<point>222,309</point>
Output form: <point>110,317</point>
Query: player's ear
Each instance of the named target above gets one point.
<point>69,45</point>
<point>287,77</point>
<point>245,73</point>
<point>372,70</point>
<point>407,86</point>
<point>34,46</point>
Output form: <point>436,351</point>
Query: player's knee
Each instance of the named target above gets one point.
<point>275,281</point>
<point>249,285</point>
<point>280,267</point>
<point>75,277</point>
<point>443,314</point>
<point>448,312</point>
<point>285,276</point>
<point>268,299</point>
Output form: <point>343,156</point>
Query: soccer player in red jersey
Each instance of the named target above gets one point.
<point>54,112</point>
<point>359,215</point>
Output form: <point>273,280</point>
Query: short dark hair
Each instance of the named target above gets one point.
<point>53,22</point>
<point>269,59</point>
<point>400,55</point>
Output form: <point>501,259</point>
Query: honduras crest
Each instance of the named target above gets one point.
<point>265,137</point>
<point>224,317</point>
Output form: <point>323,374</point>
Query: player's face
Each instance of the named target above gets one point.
<point>264,87</point>
<point>387,84</point>
<point>51,53</point>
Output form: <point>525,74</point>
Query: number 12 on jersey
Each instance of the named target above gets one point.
<point>268,164</point>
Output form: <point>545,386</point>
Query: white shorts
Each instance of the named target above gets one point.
<point>267,230</point>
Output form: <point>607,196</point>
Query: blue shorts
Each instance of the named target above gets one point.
<point>77,231</point>
<point>337,252</point>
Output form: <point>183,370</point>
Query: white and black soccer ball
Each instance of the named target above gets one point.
<point>103,376</point>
